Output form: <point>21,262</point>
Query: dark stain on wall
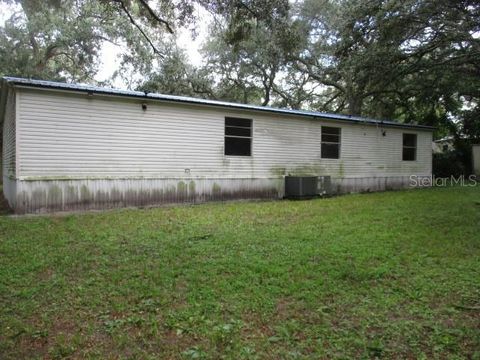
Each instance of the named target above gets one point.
<point>52,196</point>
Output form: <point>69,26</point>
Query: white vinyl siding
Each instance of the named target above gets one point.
<point>76,136</point>
<point>9,133</point>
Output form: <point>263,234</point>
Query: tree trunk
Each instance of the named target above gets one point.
<point>355,103</point>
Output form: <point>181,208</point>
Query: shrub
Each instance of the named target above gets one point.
<point>453,163</point>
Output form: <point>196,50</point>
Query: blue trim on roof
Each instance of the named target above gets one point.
<point>191,100</point>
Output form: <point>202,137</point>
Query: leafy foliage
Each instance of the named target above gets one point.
<point>455,162</point>
<point>412,61</point>
<point>175,75</point>
<point>61,39</point>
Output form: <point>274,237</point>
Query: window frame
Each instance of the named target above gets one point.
<point>409,147</point>
<point>339,143</point>
<point>225,136</point>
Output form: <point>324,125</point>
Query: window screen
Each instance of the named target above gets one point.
<point>330,142</point>
<point>238,136</point>
<point>409,147</point>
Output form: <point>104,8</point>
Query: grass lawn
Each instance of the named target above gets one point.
<point>394,274</point>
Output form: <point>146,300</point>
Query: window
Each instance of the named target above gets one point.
<point>238,136</point>
<point>409,147</point>
<point>330,142</point>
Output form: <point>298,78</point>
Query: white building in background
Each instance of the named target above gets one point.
<point>68,147</point>
<point>476,159</point>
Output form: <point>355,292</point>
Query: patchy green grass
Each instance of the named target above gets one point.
<point>394,274</point>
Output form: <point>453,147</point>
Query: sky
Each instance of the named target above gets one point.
<point>109,52</point>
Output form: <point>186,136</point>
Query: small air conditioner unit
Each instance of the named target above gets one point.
<point>306,187</point>
<point>301,187</point>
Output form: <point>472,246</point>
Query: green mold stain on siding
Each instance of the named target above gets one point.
<point>216,189</point>
<point>341,170</point>
<point>182,190</point>
<point>191,187</point>
<point>181,187</point>
<point>85,194</point>
<point>54,196</point>
<point>71,194</point>
<point>278,170</point>
<point>307,170</point>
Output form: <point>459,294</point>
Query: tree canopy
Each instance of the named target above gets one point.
<point>407,60</point>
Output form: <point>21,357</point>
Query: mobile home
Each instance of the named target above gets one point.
<point>75,147</point>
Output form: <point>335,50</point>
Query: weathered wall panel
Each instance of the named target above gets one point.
<point>67,195</point>
<point>476,159</point>
<point>78,152</point>
<point>80,136</point>
<point>9,149</point>
<point>39,196</point>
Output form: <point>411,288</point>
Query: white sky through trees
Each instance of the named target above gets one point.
<point>109,52</point>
